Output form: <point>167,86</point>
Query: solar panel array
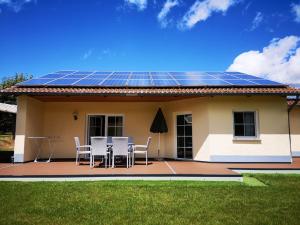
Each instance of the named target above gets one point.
<point>147,79</point>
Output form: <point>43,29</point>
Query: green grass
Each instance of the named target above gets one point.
<point>262,199</point>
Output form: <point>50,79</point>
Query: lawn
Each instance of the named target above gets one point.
<point>141,202</point>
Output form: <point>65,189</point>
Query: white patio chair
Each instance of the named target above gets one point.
<point>99,148</point>
<point>120,148</point>
<point>141,149</point>
<point>80,152</point>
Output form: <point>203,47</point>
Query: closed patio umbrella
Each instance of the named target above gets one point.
<point>159,126</point>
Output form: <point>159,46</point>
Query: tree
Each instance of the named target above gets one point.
<point>9,82</point>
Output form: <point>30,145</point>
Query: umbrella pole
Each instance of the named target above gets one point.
<point>158,146</point>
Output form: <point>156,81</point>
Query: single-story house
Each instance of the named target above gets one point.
<point>211,116</point>
<point>295,127</point>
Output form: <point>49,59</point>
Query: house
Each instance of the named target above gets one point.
<point>211,116</point>
<point>295,127</point>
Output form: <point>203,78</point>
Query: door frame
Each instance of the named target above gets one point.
<point>175,114</point>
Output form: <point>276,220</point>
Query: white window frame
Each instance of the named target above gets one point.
<point>256,120</point>
<point>106,123</point>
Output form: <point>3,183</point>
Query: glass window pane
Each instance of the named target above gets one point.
<point>180,152</point>
<point>111,121</point>
<point>249,117</point>
<point>188,153</point>
<point>111,131</point>
<point>188,119</point>
<point>180,120</point>
<point>119,132</point>
<point>180,142</point>
<point>188,142</point>
<point>119,121</point>
<point>180,130</point>
<point>239,130</point>
<point>188,131</point>
<point>250,130</point>
<point>238,117</point>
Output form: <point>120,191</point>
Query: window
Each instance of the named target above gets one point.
<point>114,126</point>
<point>184,136</point>
<point>244,124</point>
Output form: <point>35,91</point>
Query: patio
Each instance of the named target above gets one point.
<point>156,170</point>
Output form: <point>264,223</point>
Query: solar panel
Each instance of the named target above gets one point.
<point>147,79</point>
<point>62,82</point>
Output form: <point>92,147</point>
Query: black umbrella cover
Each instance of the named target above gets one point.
<point>159,124</point>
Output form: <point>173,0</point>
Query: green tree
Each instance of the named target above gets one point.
<point>9,82</point>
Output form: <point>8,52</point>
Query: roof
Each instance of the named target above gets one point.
<point>83,83</point>
<point>178,91</point>
<point>8,108</point>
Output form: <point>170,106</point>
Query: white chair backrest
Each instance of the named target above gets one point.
<point>148,142</point>
<point>120,145</point>
<point>99,145</point>
<point>77,143</point>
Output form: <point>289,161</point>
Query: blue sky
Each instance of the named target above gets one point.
<point>260,37</point>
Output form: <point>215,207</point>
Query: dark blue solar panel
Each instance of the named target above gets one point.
<point>88,82</point>
<point>107,78</point>
<point>161,76</point>
<point>75,76</point>
<point>119,76</point>
<point>248,77</point>
<point>126,73</point>
<point>240,82</point>
<point>65,71</point>
<point>82,72</point>
<point>265,82</point>
<point>98,76</point>
<point>35,82</point>
<point>140,76</point>
<point>62,82</point>
<point>139,83</point>
<point>53,75</point>
<point>189,82</point>
<point>165,82</point>
<point>192,77</point>
<point>109,82</point>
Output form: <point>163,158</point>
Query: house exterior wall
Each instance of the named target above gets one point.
<point>212,126</point>
<point>295,130</point>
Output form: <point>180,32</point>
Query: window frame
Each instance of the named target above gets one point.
<point>256,124</point>
<point>106,123</point>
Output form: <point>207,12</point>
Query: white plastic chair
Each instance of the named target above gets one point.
<point>120,148</point>
<point>80,152</point>
<point>141,149</point>
<point>99,148</point>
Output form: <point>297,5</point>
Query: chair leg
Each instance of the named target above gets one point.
<point>76,158</point>
<point>105,161</point>
<point>146,158</point>
<point>127,161</point>
<point>113,161</point>
<point>91,161</point>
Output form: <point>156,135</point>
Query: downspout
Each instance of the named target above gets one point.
<point>289,123</point>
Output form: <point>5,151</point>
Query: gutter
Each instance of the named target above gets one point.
<point>289,124</point>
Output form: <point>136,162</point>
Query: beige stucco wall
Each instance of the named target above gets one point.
<point>295,130</point>
<point>212,126</point>
<point>29,123</point>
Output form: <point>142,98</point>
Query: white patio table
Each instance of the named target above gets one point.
<point>38,143</point>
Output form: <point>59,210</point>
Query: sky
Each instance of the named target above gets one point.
<point>259,37</point>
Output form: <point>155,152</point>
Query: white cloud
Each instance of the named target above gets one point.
<point>296,11</point>
<point>201,10</point>
<point>162,16</point>
<point>87,54</point>
<point>257,21</point>
<point>15,5</point>
<point>279,61</point>
<point>140,4</point>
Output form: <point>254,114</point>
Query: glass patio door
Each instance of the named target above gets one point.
<point>184,136</point>
<point>96,126</point>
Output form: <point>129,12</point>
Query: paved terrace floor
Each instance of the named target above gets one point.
<point>155,168</point>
